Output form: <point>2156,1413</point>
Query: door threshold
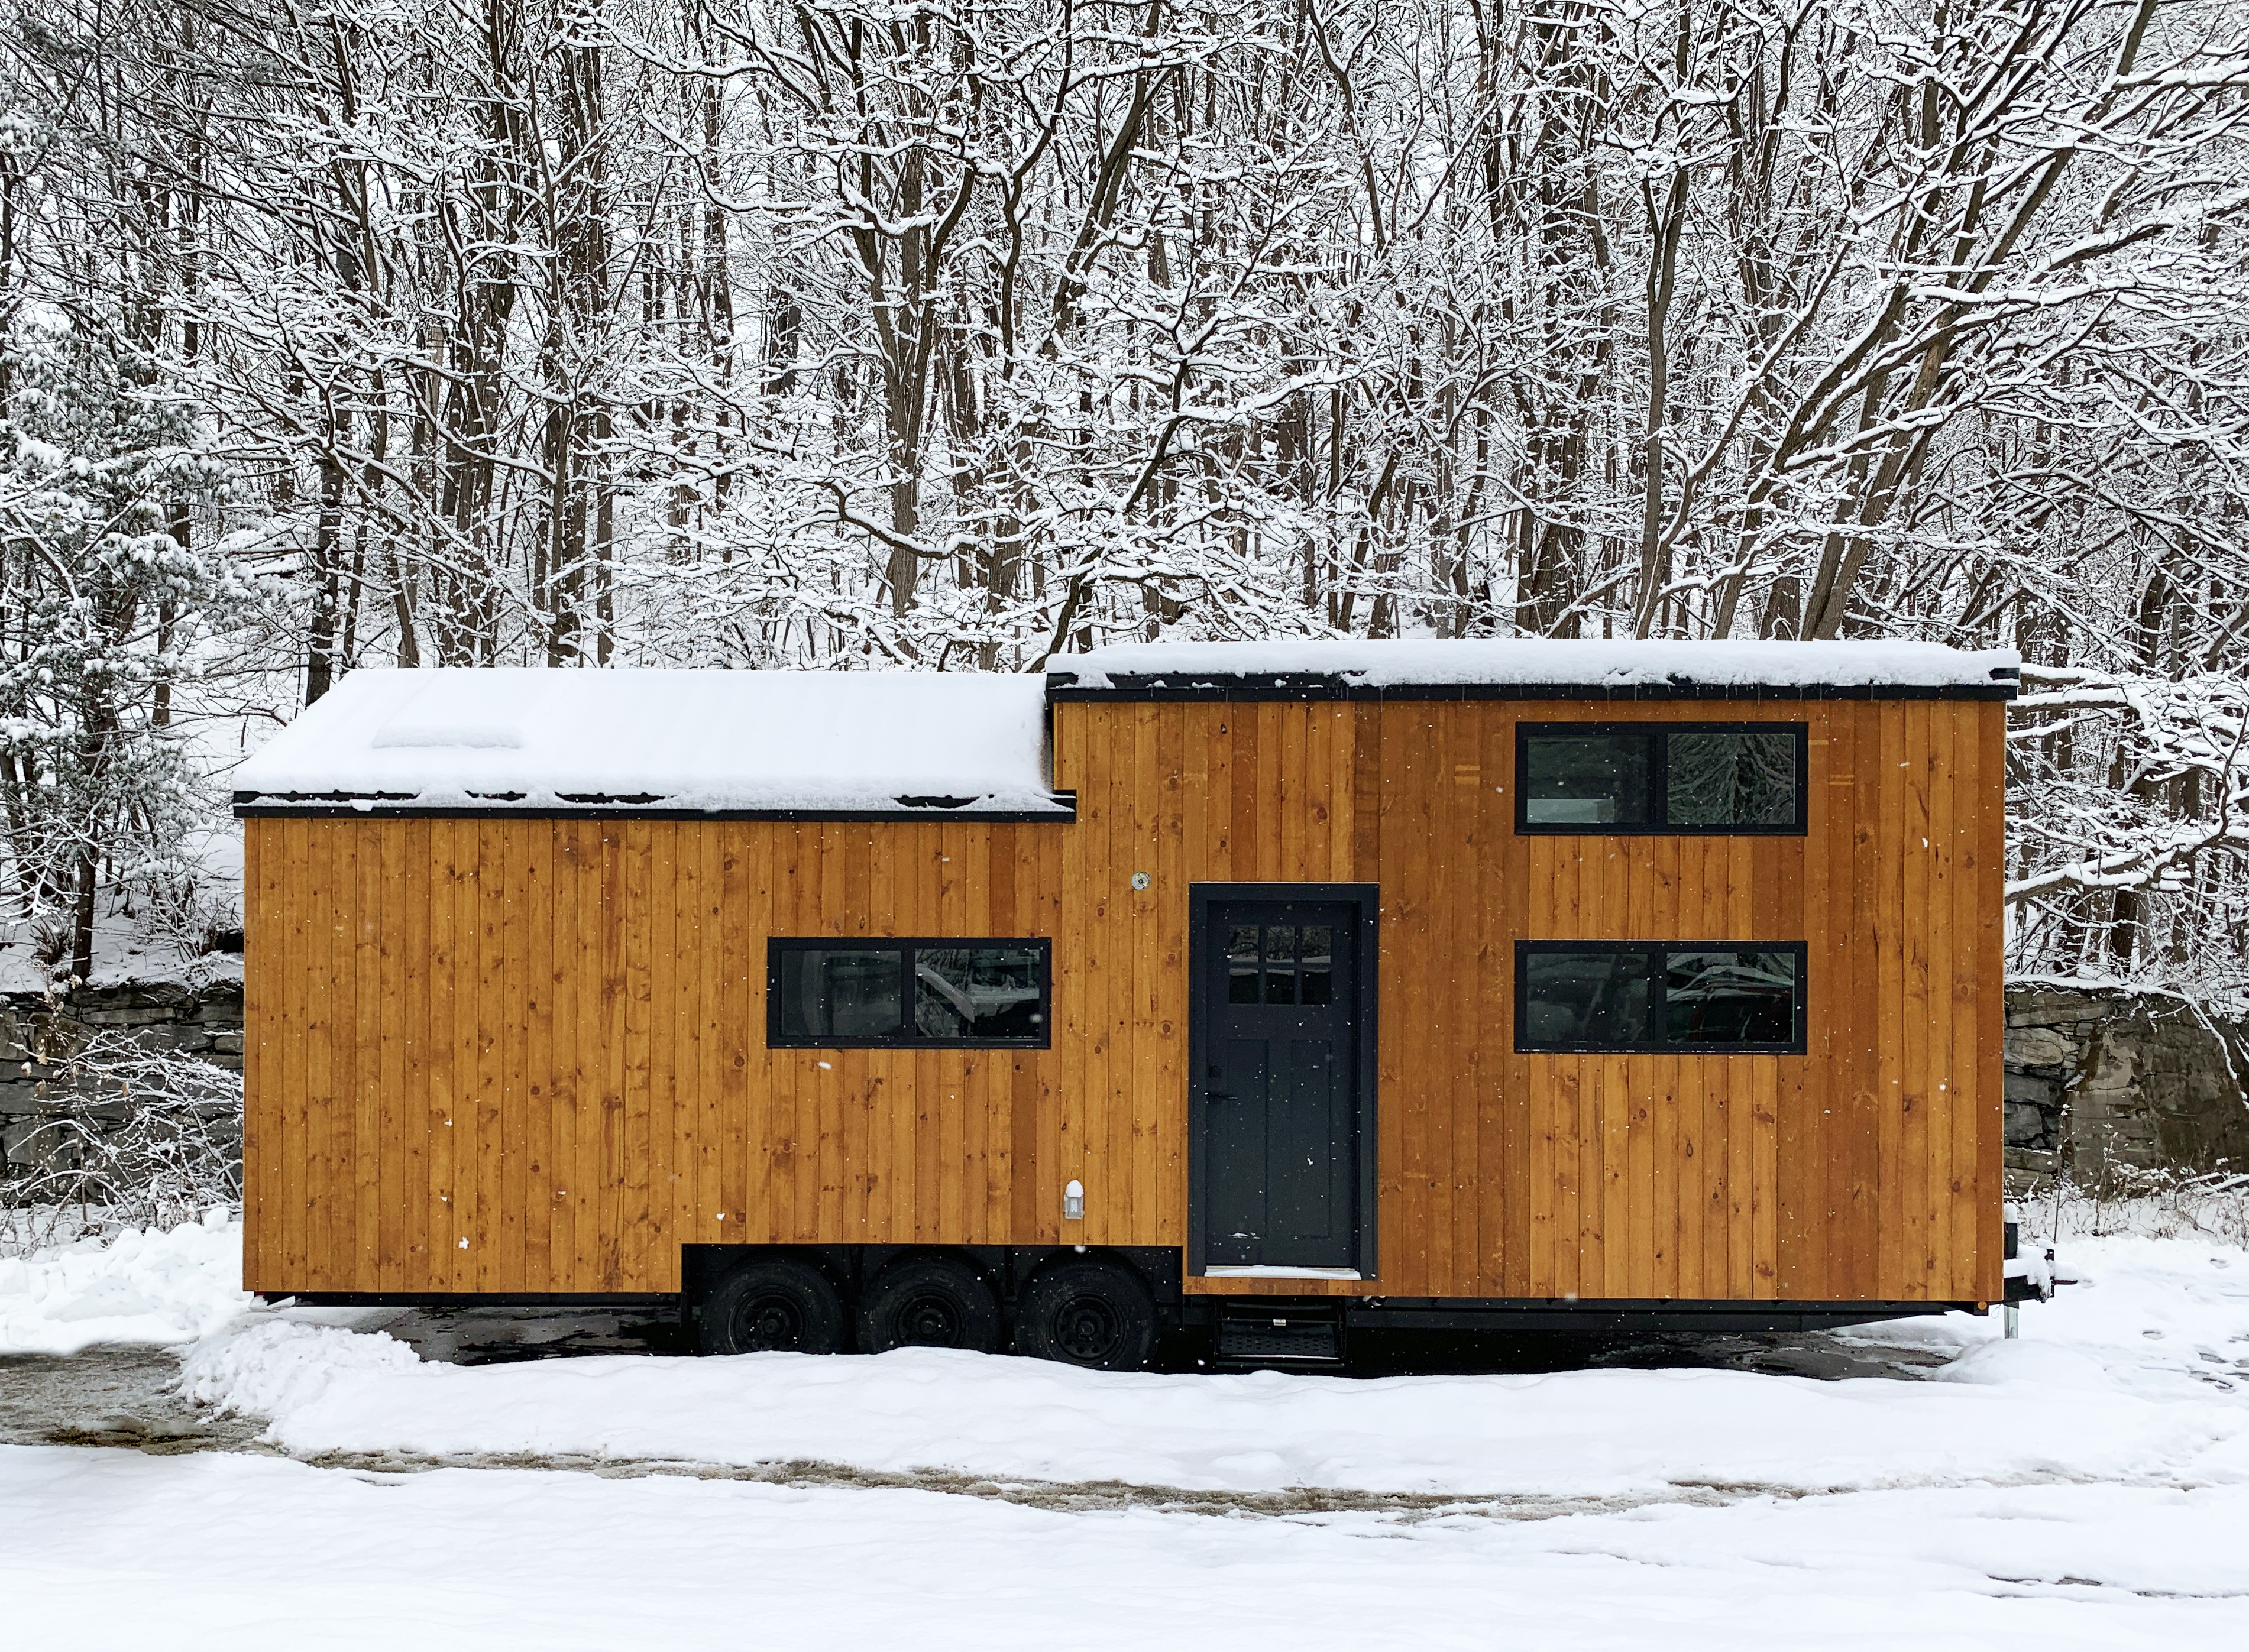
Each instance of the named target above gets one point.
<point>1281,1274</point>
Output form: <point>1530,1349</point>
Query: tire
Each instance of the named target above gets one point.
<point>1088,1313</point>
<point>774,1305</point>
<point>929,1302</point>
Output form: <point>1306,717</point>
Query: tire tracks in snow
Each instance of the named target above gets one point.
<point>239,1435</point>
<point>1074,1496</point>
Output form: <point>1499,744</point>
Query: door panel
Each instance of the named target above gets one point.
<point>1280,1104</point>
<point>1310,1200</point>
<point>1237,1117</point>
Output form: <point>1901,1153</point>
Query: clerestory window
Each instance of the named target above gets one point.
<point>1661,777</point>
<point>917,994</point>
<point>1676,998</point>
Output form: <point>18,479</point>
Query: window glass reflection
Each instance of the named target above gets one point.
<point>1585,998</point>
<point>839,992</point>
<point>1729,997</point>
<point>1315,966</point>
<point>972,993</point>
<point>1657,998</point>
<point>1599,779</point>
<point>980,993</point>
<point>1280,953</point>
<point>1241,964</point>
<point>1731,779</point>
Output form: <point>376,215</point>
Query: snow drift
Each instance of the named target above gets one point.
<point>141,1287</point>
<point>2138,1374</point>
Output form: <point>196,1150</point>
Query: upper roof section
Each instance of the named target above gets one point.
<point>1534,669</point>
<point>818,743</point>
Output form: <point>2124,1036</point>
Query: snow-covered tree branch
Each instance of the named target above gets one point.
<point>832,332</point>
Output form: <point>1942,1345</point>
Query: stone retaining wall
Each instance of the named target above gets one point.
<point>38,1036</point>
<point>2100,1079</point>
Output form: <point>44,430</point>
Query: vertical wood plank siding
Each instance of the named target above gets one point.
<point>529,1055</point>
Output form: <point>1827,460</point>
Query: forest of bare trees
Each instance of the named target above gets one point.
<point>962,334</point>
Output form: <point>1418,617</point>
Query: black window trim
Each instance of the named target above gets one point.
<point>1659,773</point>
<point>1526,950</point>
<point>776,945</point>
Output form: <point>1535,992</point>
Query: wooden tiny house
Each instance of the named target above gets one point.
<point>1478,982</point>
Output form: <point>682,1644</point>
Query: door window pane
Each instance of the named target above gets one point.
<point>1316,967</point>
<point>978,993</point>
<point>1729,997</point>
<point>1241,963</point>
<point>1718,779</point>
<point>1585,998</point>
<point>1599,780</point>
<point>839,992</point>
<point>1280,960</point>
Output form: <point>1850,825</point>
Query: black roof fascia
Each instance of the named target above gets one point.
<point>1063,685</point>
<point>334,806</point>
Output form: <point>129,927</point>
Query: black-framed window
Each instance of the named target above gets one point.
<point>1661,777</point>
<point>1676,998</point>
<point>939,994</point>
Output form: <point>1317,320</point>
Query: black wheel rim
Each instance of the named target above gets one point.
<point>931,1320</point>
<point>1086,1330</point>
<point>771,1323</point>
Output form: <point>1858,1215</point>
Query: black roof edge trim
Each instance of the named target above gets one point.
<point>257,806</point>
<point>1064,686</point>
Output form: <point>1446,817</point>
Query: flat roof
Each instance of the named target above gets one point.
<point>1535,668</point>
<point>916,744</point>
<point>818,743</point>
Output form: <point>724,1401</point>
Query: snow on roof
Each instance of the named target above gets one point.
<point>1545,662</point>
<point>809,741</point>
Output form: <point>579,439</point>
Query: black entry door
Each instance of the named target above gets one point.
<point>1280,1000</point>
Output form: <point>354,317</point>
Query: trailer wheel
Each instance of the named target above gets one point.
<point>1093,1313</point>
<point>774,1305</point>
<point>928,1302</point>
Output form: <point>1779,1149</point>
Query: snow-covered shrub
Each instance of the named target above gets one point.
<point>2159,1204</point>
<point>142,1136</point>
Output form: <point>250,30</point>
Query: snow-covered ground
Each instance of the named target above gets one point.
<point>2087,1486</point>
<point>118,1549</point>
<point>139,1286</point>
<point>128,952</point>
<point>2013,1412</point>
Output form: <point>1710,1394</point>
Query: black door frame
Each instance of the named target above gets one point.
<point>1366,900</point>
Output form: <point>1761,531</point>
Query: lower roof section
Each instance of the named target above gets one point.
<point>691,744</point>
<point>1061,808</point>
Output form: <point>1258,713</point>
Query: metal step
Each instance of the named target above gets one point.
<point>1279,1335</point>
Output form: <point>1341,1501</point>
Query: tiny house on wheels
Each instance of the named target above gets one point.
<point>1276,991</point>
